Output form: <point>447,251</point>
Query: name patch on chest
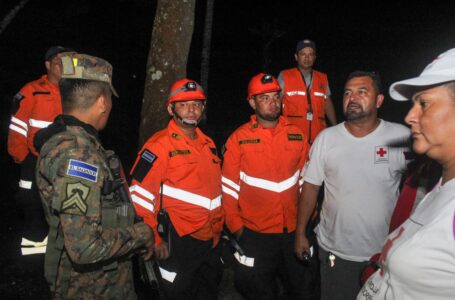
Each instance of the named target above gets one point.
<point>295,137</point>
<point>179,152</point>
<point>254,141</point>
<point>82,170</point>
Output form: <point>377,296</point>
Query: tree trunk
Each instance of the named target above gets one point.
<point>167,59</point>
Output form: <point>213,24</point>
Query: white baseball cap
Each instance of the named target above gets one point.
<point>440,71</point>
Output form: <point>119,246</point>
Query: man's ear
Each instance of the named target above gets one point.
<point>169,109</point>
<point>47,64</point>
<point>101,103</point>
<point>379,100</point>
<point>252,103</point>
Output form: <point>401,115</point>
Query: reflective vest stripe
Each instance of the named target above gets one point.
<point>18,129</point>
<point>25,184</point>
<point>277,187</point>
<point>19,122</point>
<point>191,198</point>
<point>231,183</point>
<point>228,191</point>
<point>293,93</point>
<point>39,123</point>
<point>320,94</point>
<point>169,276</point>
<point>147,205</point>
<point>142,192</point>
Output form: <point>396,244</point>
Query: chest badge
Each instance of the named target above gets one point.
<point>381,154</point>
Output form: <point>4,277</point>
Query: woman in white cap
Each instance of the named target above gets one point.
<point>418,258</point>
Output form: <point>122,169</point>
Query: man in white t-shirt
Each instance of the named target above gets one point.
<point>360,162</point>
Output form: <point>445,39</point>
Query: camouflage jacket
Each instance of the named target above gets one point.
<point>95,227</point>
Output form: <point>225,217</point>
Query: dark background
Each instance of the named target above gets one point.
<point>395,39</point>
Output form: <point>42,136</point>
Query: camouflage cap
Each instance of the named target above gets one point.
<point>83,66</point>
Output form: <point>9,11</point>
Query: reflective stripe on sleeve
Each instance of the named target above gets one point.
<point>191,198</point>
<point>169,276</point>
<point>18,129</point>
<point>147,205</point>
<point>277,187</point>
<point>19,123</point>
<point>228,191</point>
<point>30,247</point>
<point>39,123</point>
<point>25,184</point>
<point>244,260</point>
<point>143,192</point>
<point>231,183</point>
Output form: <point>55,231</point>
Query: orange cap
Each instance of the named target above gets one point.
<point>262,83</point>
<point>185,90</point>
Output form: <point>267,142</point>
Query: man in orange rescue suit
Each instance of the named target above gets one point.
<point>34,107</point>
<point>262,166</point>
<point>176,188</point>
<point>306,92</point>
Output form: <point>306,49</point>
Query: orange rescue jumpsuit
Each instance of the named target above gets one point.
<point>190,174</point>
<point>261,172</point>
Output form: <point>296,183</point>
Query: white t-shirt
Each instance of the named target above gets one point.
<point>361,177</point>
<point>419,256</point>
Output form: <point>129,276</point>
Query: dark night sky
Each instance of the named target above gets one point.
<point>397,40</point>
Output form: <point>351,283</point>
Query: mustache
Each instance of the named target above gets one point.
<point>353,105</point>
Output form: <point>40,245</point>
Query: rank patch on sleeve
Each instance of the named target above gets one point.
<point>76,196</point>
<point>144,165</point>
<point>82,170</point>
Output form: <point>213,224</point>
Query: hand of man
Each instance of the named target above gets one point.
<point>301,245</point>
<point>162,251</point>
<point>149,248</point>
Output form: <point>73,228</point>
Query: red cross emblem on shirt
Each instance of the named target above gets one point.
<point>381,154</point>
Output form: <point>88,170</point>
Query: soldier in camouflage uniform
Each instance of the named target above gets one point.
<point>92,234</point>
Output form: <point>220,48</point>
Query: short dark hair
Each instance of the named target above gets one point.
<point>373,75</point>
<point>80,94</point>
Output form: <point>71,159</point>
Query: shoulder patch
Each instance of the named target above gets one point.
<point>253,141</point>
<point>82,170</point>
<point>179,152</point>
<point>295,137</point>
<point>16,103</point>
<point>76,199</point>
<point>144,165</point>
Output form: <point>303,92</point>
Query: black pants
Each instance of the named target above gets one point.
<point>342,280</point>
<point>195,267</point>
<point>34,225</point>
<point>273,257</point>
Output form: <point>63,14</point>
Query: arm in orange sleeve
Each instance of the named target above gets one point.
<point>23,104</point>
<point>231,184</point>
<point>147,173</point>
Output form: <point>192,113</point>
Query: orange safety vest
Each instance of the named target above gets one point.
<point>262,175</point>
<point>189,172</point>
<point>296,105</point>
<point>39,102</point>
